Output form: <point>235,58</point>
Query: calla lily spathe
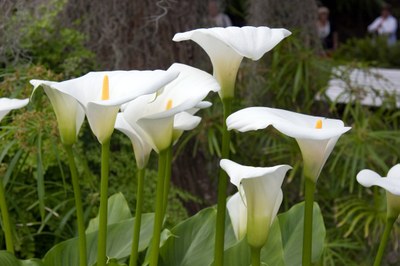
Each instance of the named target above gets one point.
<point>7,104</point>
<point>69,112</point>
<point>141,148</point>
<point>123,86</point>
<point>260,194</point>
<point>226,48</point>
<point>391,183</point>
<point>316,141</point>
<point>155,114</point>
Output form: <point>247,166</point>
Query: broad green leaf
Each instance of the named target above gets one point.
<point>118,210</point>
<point>165,234</point>
<point>238,255</point>
<point>192,241</point>
<point>271,253</point>
<point>119,240</point>
<point>291,224</point>
<point>7,259</point>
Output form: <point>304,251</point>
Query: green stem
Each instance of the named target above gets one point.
<point>78,204</point>
<point>102,240</point>
<point>159,217</point>
<point>222,185</point>
<point>6,219</point>
<point>384,240</point>
<point>138,218</point>
<point>308,221</point>
<point>167,180</point>
<point>255,256</point>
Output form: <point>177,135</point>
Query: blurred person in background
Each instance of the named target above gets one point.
<point>326,31</point>
<point>215,17</point>
<point>385,25</point>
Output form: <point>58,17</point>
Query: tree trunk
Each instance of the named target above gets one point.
<point>128,34</point>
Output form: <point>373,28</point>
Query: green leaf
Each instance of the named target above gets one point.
<point>119,241</point>
<point>118,210</point>
<point>238,254</point>
<point>271,253</point>
<point>7,259</point>
<point>291,224</point>
<point>192,241</point>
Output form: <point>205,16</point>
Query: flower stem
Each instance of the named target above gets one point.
<point>255,256</point>
<point>167,180</point>
<point>138,218</point>
<point>102,240</point>
<point>6,219</point>
<point>308,221</point>
<point>159,217</point>
<point>384,240</point>
<point>78,204</point>
<point>222,185</point>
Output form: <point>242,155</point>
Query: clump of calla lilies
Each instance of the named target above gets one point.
<point>153,108</point>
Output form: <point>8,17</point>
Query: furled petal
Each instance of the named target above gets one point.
<point>226,48</point>
<point>315,154</point>
<point>155,113</point>
<point>141,149</point>
<point>159,131</point>
<point>316,144</point>
<point>238,214</point>
<point>186,121</point>
<point>7,104</point>
<point>69,113</point>
<point>124,86</point>
<point>277,205</point>
<point>391,184</point>
<point>261,188</point>
<point>202,105</point>
<point>263,198</point>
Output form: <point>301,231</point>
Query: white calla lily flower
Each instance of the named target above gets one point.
<point>69,112</point>
<point>155,114</point>
<point>102,93</point>
<point>141,148</point>
<point>316,136</point>
<point>7,104</point>
<point>391,183</point>
<point>261,194</point>
<point>226,48</point>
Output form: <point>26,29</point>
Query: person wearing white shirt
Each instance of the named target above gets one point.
<point>385,25</point>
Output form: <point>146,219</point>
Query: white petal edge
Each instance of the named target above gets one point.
<point>7,104</point>
<point>238,214</point>
<point>368,178</point>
